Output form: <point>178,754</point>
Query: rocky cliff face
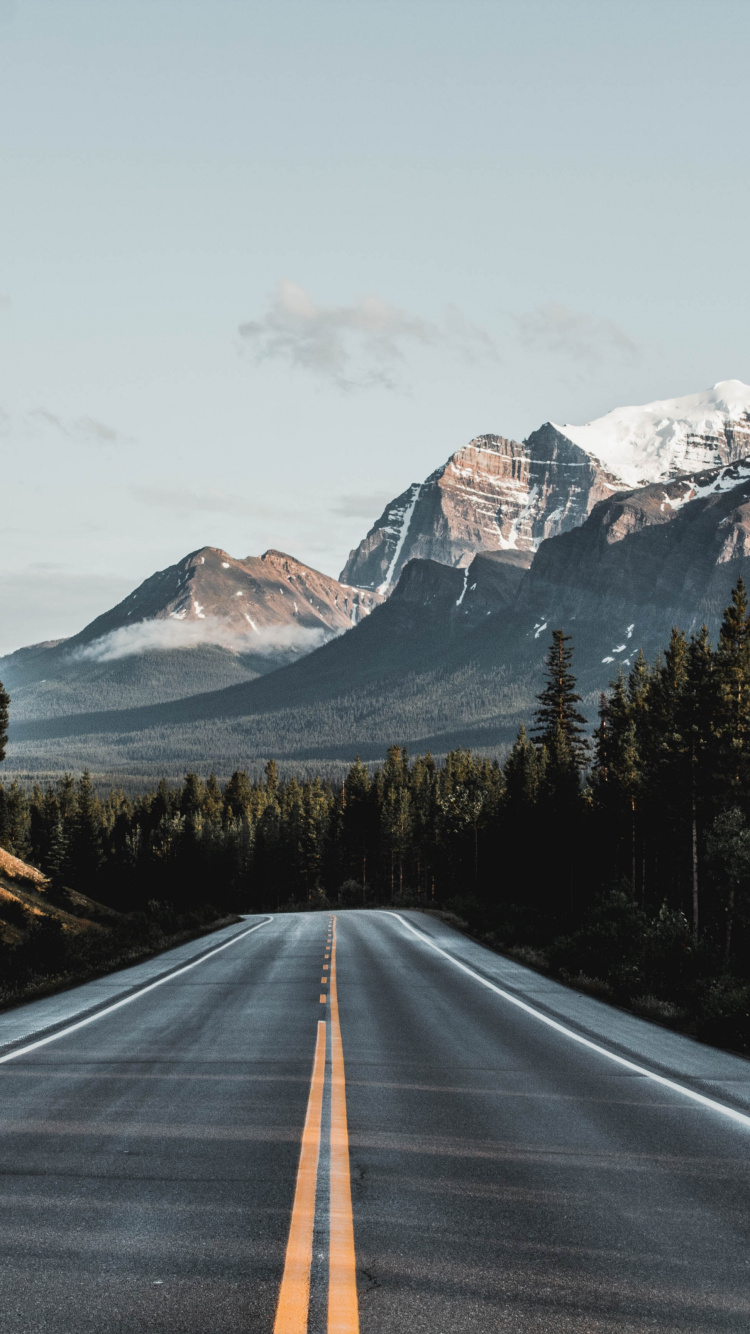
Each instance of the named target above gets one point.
<point>496,494</point>
<point>663,555</point>
<point>257,595</point>
<point>238,619</point>
<point>492,495</point>
<point>463,596</point>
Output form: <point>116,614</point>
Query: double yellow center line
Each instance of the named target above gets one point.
<point>294,1295</point>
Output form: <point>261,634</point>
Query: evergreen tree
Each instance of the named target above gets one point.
<point>616,779</point>
<point>558,725</point>
<point>355,825</point>
<point>696,718</point>
<point>4,718</point>
<point>729,848</point>
<point>85,850</point>
<point>733,673</point>
<point>522,774</point>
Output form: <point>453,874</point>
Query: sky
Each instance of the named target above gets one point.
<point>262,265</point>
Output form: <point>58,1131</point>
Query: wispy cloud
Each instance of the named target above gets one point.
<point>82,430</point>
<point>207,500</point>
<point>359,346</point>
<point>149,636</point>
<point>362,505</point>
<point>555,327</point>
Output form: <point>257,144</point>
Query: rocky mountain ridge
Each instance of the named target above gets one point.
<point>467,573</point>
<point>671,436</point>
<point>451,658</point>
<point>250,596</point>
<point>497,494</point>
<point>494,494</point>
<point>203,623</point>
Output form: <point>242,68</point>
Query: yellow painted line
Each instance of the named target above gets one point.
<point>323,981</point>
<point>294,1295</point>
<point>343,1309</point>
<point>323,1000</point>
<point>325,967</point>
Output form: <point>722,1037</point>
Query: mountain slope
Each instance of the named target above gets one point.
<point>496,494</point>
<point>204,623</point>
<point>666,554</point>
<point>671,436</point>
<point>492,495</point>
<point>256,596</point>
<point>454,655</point>
<point>430,667</point>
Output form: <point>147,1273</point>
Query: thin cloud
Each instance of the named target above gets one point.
<point>5,301</point>
<point>150,636</point>
<point>360,346</point>
<point>362,505</point>
<point>209,500</point>
<point>81,430</point>
<point>554,327</point>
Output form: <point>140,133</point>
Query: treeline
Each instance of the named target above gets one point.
<point>621,861</point>
<point>412,828</point>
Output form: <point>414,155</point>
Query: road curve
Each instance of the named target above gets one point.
<point>317,1128</point>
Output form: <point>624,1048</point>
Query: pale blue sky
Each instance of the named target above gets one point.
<point>486,215</point>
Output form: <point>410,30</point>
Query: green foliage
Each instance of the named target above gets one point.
<point>4,718</point>
<point>632,870</point>
<point>559,725</point>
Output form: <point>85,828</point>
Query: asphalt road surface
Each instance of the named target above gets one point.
<point>375,1124</point>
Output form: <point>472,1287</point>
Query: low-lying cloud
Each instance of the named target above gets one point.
<point>359,346</point>
<point>150,636</point>
<point>555,327</point>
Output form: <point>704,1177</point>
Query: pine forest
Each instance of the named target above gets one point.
<point>618,861</point>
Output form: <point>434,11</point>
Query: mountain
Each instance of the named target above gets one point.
<point>206,622</point>
<point>258,598</point>
<point>496,494</point>
<point>645,560</point>
<point>492,495</point>
<point>452,657</point>
<point>671,436</point>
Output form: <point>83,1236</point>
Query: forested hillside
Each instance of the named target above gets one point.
<point>622,860</point>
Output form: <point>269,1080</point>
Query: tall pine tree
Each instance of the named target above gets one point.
<point>559,727</point>
<point>4,715</point>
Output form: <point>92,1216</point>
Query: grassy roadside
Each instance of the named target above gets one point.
<point>714,1010</point>
<point>39,984</point>
<point>51,940</point>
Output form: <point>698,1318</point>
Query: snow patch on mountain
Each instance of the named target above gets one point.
<point>670,436</point>
<point>403,518</point>
<point>727,480</point>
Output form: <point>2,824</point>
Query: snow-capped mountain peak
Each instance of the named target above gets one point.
<point>671,436</point>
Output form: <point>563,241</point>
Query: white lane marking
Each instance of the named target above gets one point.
<point>740,1117</point>
<point>90,1019</point>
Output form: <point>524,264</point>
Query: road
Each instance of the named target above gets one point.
<point>376,1124</point>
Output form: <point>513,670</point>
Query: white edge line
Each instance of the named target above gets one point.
<point>740,1117</point>
<point>109,1009</point>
